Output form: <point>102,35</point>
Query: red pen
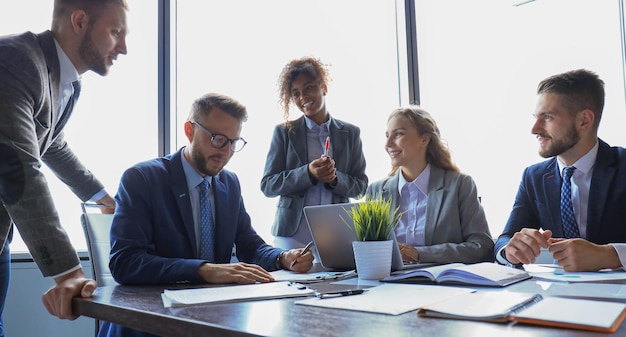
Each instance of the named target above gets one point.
<point>327,146</point>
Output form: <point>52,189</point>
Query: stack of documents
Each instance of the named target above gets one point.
<point>237,293</point>
<point>531,309</point>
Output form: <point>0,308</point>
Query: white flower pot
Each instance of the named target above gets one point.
<point>373,259</point>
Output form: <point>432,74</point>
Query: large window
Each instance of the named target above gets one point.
<point>480,63</point>
<point>114,124</point>
<point>240,47</point>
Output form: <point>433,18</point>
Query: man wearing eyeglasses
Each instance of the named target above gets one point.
<point>159,233</point>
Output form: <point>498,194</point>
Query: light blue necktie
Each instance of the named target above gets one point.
<point>570,227</point>
<point>207,227</point>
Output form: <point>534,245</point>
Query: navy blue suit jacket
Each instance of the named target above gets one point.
<point>152,236</point>
<point>538,199</point>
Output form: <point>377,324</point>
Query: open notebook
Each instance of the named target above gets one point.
<point>476,274</point>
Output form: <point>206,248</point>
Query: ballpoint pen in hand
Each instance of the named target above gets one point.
<point>304,251</point>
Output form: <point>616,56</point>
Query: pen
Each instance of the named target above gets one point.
<point>348,292</point>
<point>327,146</point>
<point>304,251</point>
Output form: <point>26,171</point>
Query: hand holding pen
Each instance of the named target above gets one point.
<point>327,147</point>
<point>304,251</point>
<point>323,169</point>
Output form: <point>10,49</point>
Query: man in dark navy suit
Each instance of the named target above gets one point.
<point>567,117</point>
<point>158,231</point>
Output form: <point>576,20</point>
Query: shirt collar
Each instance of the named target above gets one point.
<point>193,177</point>
<point>585,163</point>
<point>68,71</point>
<point>421,182</point>
<point>310,124</point>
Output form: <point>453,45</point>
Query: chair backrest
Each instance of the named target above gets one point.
<point>97,228</point>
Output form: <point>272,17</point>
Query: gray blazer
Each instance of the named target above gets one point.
<point>29,86</point>
<point>456,226</point>
<point>286,170</point>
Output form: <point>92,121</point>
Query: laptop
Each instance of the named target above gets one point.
<point>333,238</point>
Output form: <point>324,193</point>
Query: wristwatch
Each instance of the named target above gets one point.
<point>279,259</point>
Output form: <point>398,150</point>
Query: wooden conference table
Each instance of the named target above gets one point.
<point>141,308</point>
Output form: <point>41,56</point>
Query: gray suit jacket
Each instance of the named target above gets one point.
<point>456,226</point>
<point>286,170</point>
<point>29,86</point>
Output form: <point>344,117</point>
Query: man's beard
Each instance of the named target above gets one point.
<point>201,162</point>
<point>559,146</point>
<point>90,56</point>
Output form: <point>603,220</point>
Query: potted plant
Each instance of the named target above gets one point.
<point>373,222</point>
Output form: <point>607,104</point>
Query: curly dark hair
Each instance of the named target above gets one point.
<point>308,66</point>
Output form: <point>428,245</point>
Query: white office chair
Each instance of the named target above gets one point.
<point>97,227</point>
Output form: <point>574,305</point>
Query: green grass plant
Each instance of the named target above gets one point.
<point>373,219</point>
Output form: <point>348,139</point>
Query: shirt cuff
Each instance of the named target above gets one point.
<point>502,260</point>
<point>500,257</point>
<point>78,266</point>
<point>620,248</point>
<point>98,195</point>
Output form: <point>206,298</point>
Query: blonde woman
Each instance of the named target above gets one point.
<point>443,221</point>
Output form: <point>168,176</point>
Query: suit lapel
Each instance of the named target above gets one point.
<point>48,47</point>
<point>181,195</point>
<point>297,140</point>
<point>339,137</point>
<point>435,201</point>
<point>551,184</point>
<point>390,190</point>
<point>601,182</point>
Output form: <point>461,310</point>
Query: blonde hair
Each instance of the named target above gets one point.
<point>437,152</point>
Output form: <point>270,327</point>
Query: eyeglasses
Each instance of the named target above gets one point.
<point>219,141</point>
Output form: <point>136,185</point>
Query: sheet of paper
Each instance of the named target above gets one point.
<point>556,273</point>
<point>580,289</point>
<point>287,275</point>
<point>175,298</point>
<point>391,299</point>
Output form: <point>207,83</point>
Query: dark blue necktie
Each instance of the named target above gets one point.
<point>570,227</point>
<point>69,107</point>
<point>207,227</point>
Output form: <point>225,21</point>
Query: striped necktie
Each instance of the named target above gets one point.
<point>207,227</point>
<point>570,227</point>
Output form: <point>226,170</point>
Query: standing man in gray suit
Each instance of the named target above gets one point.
<point>39,84</point>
